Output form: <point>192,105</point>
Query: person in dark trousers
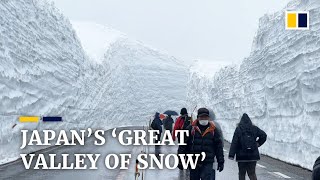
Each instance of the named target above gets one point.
<point>202,138</point>
<point>246,140</point>
<point>167,123</point>
<point>316,170</point>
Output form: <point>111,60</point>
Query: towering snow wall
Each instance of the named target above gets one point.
<point>45,71</point>
<point>138,80</point>
<point>278,85</point>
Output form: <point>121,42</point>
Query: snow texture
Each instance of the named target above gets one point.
<point>105,82</point>
<point>278,85</point>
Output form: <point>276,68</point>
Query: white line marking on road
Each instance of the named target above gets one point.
<point>278,174</point>
<point>224,150</point>
<point>259,165</point>
<point>282,175</point>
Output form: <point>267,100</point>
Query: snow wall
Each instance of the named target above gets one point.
<point>45,71</point>
<point>278,85</point>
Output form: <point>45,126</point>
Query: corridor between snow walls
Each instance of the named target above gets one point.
<point>278,85</point>
<point>46,71</point>
<point>93,76</point>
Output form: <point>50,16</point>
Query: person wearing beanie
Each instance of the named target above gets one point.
<point>183,112</point>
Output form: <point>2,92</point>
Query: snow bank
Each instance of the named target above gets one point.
<point>278,85</point>
<point>45,72</point>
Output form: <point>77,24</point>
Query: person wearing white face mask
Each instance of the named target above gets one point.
<point>202,138</point>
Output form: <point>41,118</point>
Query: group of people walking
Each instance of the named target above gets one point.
<point>206,136</point>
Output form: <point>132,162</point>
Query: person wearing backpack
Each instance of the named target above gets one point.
<point>246,140</point>
<point>203,138</point>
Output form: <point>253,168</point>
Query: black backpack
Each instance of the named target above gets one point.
<point>154,125</point>
<point>248,140</point>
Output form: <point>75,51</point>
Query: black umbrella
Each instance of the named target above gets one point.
<point>171,113</point>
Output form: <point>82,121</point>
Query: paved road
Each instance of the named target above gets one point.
<point>268,168</point>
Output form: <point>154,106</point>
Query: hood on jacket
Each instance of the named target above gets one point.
<point>245,122</point>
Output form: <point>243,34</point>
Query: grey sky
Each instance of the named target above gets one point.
<point>187,29</point>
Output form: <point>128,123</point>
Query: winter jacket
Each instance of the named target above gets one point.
<point>203,141</point>
<point>158,123</point>
<point>241,153</point>
<point>316,170</point>
<point>167,123</point>
<point>182,123</point>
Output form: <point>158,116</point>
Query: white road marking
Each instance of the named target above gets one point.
<point>278,174</point>
<point>282,175</point>
<point>259,165</point>
<point>224,150</point>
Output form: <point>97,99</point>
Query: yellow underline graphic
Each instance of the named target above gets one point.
<point>28,119</point>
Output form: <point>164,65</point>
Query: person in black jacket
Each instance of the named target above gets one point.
<point>246,140</point>
<point>316,170</point>
<point>167,123</point>
<point>202,138</point>
<point>157,125</point>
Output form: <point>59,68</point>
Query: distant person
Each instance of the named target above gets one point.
<point>202,138</point>
<point>316,170</point>
<point>167,123</point>
<point>157,125</point>
<point>182,122</point>
<point>246,140</point>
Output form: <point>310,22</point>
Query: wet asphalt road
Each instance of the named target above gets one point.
<point>267,169</point>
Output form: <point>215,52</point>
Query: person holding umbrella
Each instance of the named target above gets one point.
<point>168,121</point>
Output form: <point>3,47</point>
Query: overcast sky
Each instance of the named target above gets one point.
<point>187,29</point>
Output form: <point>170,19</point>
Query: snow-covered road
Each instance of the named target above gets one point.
<point>268,169</point>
